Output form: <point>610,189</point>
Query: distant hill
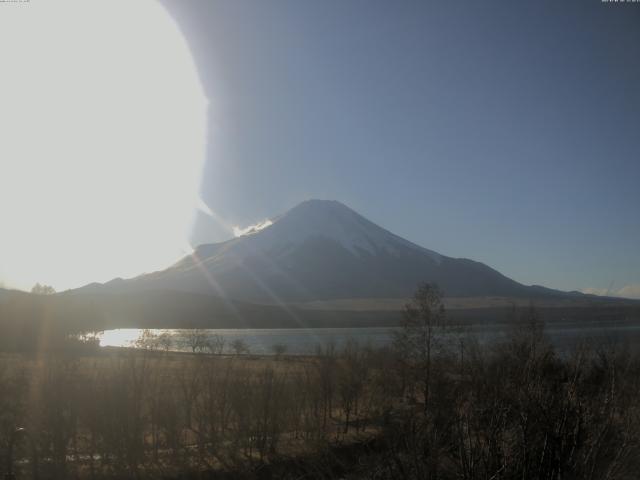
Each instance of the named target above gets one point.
<point>24,315</point>
<point>73,312</point>
<point>6,293</point>
<point>322,250</point>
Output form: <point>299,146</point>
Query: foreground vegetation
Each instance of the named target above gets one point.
<point>420,409</point>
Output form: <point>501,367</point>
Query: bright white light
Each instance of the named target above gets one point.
<point>102,134</point>
<point>239,231</point>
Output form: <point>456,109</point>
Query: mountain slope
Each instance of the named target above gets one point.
<point>322,250</point>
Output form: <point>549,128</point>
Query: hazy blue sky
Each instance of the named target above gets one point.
<point>507,132</point>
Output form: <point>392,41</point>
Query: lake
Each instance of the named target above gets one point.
<point>300,341</point>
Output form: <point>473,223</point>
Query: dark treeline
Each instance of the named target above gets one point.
<point>428,407</point>
<point>30,321</point>
<point>46,321</point>
<point>41,322</point>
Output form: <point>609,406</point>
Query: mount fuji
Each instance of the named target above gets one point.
<point>321,250</point>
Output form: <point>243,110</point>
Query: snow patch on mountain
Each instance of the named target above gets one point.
<point>337,222</point>
<point>239,232</point>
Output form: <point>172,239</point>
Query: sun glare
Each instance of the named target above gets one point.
<point>102,124</point>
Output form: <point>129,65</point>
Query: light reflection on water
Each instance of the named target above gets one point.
<point>306,341</point>
<point>121,337</point>
<point>260,341</point>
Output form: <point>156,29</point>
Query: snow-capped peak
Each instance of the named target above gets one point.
<point>334,220</point>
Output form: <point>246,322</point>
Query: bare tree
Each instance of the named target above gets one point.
<point>239,346</point>
<point>215,344</point>
<point>147,340</point>
<point>43,289</point>
<point>196,339</point>
<point>165,341</point>
<point>416,341</point>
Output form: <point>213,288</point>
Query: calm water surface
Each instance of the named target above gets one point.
<point>301,341</point>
